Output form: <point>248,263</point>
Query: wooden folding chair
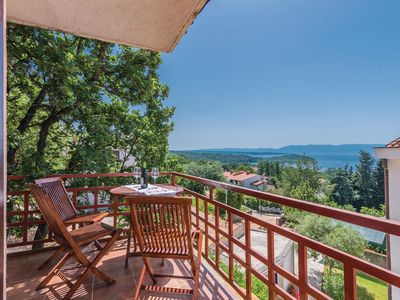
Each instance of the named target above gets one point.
<point>162,226</point>
<point>65,208</point>
<point>72,242</point>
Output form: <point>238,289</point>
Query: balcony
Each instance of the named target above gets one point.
<point>23,281</point>
<point>246,265</point>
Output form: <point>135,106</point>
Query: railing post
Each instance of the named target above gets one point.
<point>230,235</point>
<point>216,236</point>
<point>271,259</point>
<point>248,259</point>
<point>96,201</point>
<point>115,210</point>
<point>26,218</point>
<point>197,213</point>
<point>206,228</point>
<point>350,285</point>
<point>173,179</point>
<point>302,252</point>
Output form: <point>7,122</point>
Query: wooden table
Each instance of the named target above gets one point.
<point>123,191</point>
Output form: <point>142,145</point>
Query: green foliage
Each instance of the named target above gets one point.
<point>379,184</point>
<point>231,160</point>
<point>345,239</point>
<point>72,101</point>
<point>269,168</point>
<point>231,198</point>
<point>315,227</point>
<point>302,181</point>
<point>205,169</point>
<point>333,285</point>
<point>239,277</point>
<point>334,234</point>
<point>368,288</point>
<point>364,181</point>
<point>376,212</point>
<point>244,167</point>
<point>343,187</point>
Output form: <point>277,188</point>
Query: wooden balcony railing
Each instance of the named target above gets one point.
<point>220,239</point>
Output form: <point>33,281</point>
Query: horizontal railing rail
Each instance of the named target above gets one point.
<point>220,242</point>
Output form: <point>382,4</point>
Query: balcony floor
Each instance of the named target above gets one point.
<point>23,276</point>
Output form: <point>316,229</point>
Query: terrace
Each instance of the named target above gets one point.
<point>234,266</point>
<point>226,255</point>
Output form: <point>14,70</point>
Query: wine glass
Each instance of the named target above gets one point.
<point>155,173</point>
<point>136,172</point>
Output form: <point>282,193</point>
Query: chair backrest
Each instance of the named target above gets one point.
<point>51,215</point>
<point>57,192</point>
<point>162,223</point>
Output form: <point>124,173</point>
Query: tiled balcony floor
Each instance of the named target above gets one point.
<point>23,276</point>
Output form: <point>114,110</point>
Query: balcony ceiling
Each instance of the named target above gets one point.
<point>149,24</point>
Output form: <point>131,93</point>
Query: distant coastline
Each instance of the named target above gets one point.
<point>327,156</point>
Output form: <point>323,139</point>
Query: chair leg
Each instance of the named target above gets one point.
<point>147,264</point>
<point>98,246</point>
<point>53,271</point>
<point>196,272</point>
<point>77,284</point>
<point>140,283</point>
<point>97,259</point>
<point>91,267</point>
<point>128,248</point>
<point>51,258</point>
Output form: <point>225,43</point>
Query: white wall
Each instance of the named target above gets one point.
<point>394,206</point>
<point>247,183</point>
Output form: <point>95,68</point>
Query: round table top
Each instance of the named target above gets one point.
<point>124,191</point>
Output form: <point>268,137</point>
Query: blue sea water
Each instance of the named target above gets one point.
<point>325,161</point>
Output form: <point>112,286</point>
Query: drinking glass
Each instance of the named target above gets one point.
<point>155,173</point>
<point>136,172</point>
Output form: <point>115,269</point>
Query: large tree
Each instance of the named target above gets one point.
<point>364,181</point>
<point>343,190</point>
<point>379,185</point>
<point>301,181</point>
<point>72,101</point>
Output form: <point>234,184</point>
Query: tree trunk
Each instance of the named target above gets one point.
<point>40,234</point>
<point>23,125</point>
<point>44,132</point>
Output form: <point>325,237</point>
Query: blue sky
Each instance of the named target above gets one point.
<point>268,73</point>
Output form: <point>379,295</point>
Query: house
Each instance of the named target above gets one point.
<point>125,157</point>
<point>390,156</point>
<point>249,180</point>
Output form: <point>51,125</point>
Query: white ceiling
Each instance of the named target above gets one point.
<point>150,24</point>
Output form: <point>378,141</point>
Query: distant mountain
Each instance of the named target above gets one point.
<point>349,149</point>
<point>235,158</point>
<point>328,156</point>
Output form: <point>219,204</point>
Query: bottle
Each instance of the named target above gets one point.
<point>144,182</point>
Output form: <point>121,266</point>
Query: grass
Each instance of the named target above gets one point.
<point>259,288</point>
<point>368,287</point>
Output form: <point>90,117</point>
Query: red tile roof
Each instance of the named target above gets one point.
<point>257,183</point>
<point>394,144</point>
<point>239,176</point>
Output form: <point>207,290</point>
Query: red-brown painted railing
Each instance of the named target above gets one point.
<point>25,213</point>
<point>351,264</point>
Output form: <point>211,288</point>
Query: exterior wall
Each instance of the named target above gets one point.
<point>247,183</point>
<point>287,263</point>
<point>394,206</point>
